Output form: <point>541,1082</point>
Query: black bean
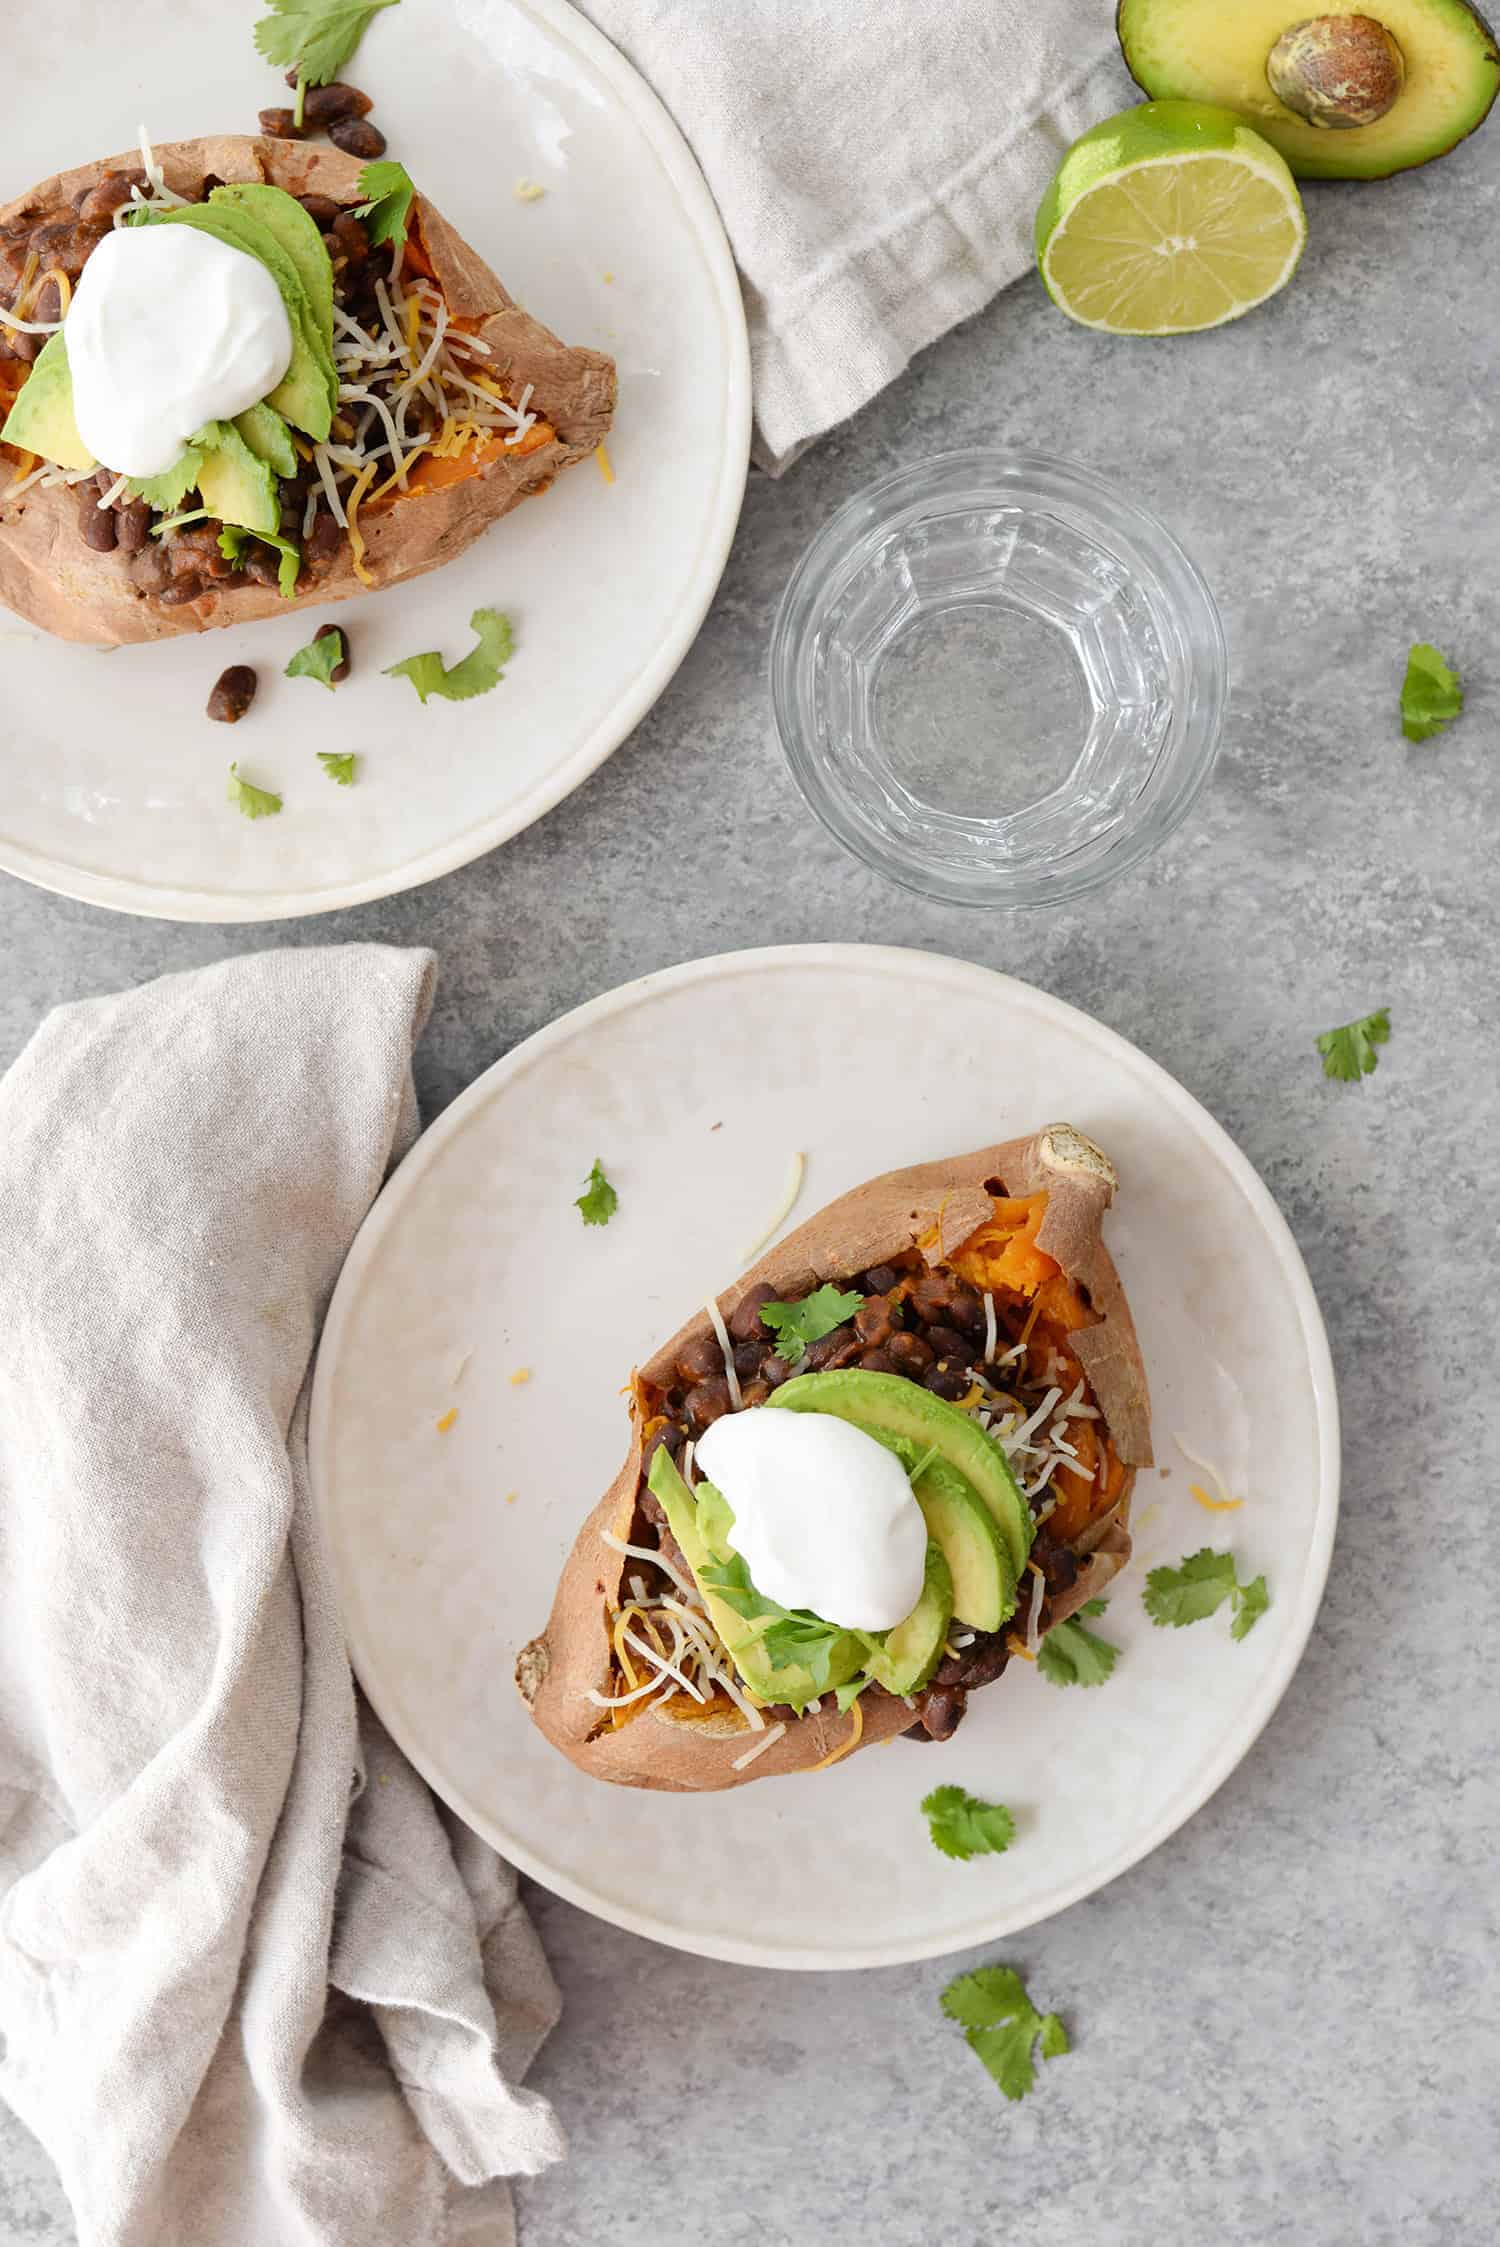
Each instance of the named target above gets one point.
<point>280,124</point>
<point>697,1359</point>
<point>340,670</point>
<point>947,1381</point>
<point>745,1320</point>
<point>105,197</point>
<point>132,521</point>
<point>940,1711</point>
<point>325,105</point>
<point>876,1361</point>
<point>932,1296</point>
<point>23,346</point>
<point>234,691</point>
<point>321,209</point>
<point>755,1392</point>
<point>829,1346</point>
<point>708,1402</point>
<point>180,592</point>
<point>880,1279</point>
<point>748,1357</point>
<point>324,539</point>
<point>150,568</point>
<point>356,136</point>
<point>96,524</point>
<point>873,1321</point>
<point>260,566</point>
<point>47,305</point>
<point>950,1344</point>
<point>775,1370</point>
<point>666,1438</point>
<point>966,1309</point>
<point>909,1354</point>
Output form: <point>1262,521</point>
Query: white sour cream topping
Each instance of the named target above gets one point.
<point>824,1517</point>
<point>168,329</point>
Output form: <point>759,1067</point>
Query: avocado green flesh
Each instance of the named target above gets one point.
<point>906,1657</point>
<point>1207,51</point>
<point>233,484</point>
<point>268,437</point>
<point>308,390</point>
<point>41,421</point>
<point>885,1404</point>
<point>282,215</point>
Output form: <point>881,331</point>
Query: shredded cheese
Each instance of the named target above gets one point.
<point>356,535</point>
<point>447,1420</point>
<point>759,1747</point>
<point>1214,1505</point>
<point>736,1400</point>
<point>788,1200</point>
<point>601,454</point>
<point>845,1747</point>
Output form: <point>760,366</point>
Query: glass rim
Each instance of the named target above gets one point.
<point>1183,605</point>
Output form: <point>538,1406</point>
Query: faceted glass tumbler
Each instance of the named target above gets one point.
<point>997,679</point>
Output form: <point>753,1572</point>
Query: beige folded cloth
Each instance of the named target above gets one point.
<point>256,1990</point>
<point>877,167</point>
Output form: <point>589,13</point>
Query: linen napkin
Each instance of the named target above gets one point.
<point>877,165</point>
<point>256,1990</point>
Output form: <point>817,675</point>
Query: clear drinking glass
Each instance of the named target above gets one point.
<point>997,679</point>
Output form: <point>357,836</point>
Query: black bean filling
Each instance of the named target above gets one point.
<point>932,1335</point>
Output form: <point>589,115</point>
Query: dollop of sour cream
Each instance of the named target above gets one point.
<point>169,328</point>
<point>824,1516</point>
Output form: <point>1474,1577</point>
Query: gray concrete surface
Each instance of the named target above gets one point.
<point>1286,2020</point>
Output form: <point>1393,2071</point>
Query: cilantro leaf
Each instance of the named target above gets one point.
<point>388,189</point>
<point>319,659</point>
<point>339,766</point>
<point>1349,1052</point>
<point>314,37</point>
<point>480,670</point>
<point>1201,1585</point>
<point>795,1325</point>
<point>255,803</point>
<point>1431,696</point>
<point>232,547</point>
<point>598,1201</point>
<point>963,1826</point>
<point>1002,2025</point>
<point>165,493</point>
<point>1072,1654</point>
<point>1250,1603</point>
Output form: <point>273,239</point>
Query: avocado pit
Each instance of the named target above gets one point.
<point>1337,71</point>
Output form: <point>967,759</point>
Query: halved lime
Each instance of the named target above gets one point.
<point>1170,217</point>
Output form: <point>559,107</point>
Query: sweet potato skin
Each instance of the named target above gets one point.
<point>48,575</point>
<point>940,1204</point>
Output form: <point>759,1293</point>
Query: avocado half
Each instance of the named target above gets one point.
<point>1218,51</point>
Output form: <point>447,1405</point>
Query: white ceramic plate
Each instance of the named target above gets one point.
<point>112,781</point>
<point>695,1087</point>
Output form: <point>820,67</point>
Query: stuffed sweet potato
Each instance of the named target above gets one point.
<point>448,404</point>
<point>967,1316</point>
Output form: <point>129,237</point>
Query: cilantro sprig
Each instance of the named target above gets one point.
<point>964,1826</point>
<point>1349,1051</point>
<point>598,1201</point>
<point>1072,1654</point>
<point>232,541</point>
<point>314,37</point>
<point>480,670</point>
<point>1198,1588</point>
<point>1431,694</point>
<point>795,1325</point>
<point>255,803</point>
<point>319,659</point>
<point>1002,2026</point>
<point>387,188</point>
<point>791,1638</point>
<point>339,765</point>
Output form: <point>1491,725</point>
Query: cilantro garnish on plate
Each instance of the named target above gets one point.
<point>1002,2025</point>
<point>339,765</point>
<point>1431,695</point>
<point>255,803</point>
<point>1072,1654</point>
<point>1199,1587</point>
<point>480,670</point>
<point>963,1826</point>
<point>314,37</point>
<point>795,1325</point>
<point>319,659</point>
<point>598,1201</point>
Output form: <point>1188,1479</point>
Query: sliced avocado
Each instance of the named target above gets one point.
<point>268,437</point>
<point>233,484</point>
<point>973,1545</point>
<point>41,420</point>
<point>1421,88</point>
<point>298,235</point>
<point>884,1404</point>
<point>905,1658</point>
<point>787,1683</point>
<point>308,390</point>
